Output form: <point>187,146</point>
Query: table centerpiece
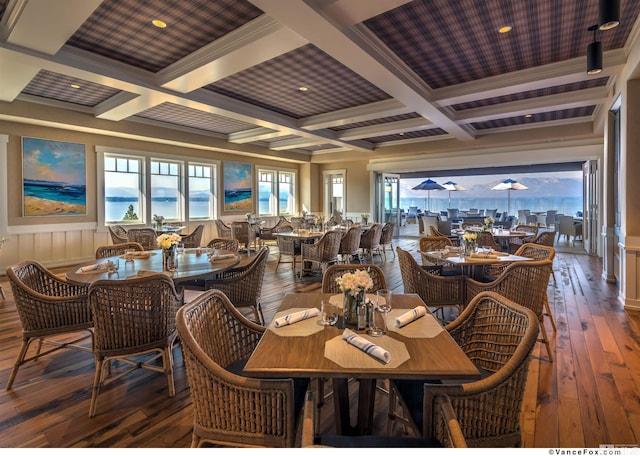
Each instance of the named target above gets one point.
<point>167,242</point>
<point>353,286</point>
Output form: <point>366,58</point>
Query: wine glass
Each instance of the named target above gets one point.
<point>383,299</point>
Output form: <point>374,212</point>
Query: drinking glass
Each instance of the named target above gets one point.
<point>378,324</point>
<point>180,248</point>
<point>114,266</point>
<point>128,255</point>
<point>383,299</point>
<point>328,313</point>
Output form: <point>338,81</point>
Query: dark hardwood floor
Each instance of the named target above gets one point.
<point>589,395</point>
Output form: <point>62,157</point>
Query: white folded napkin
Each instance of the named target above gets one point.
<point>410,316</point>
<point>368,347</point>
<point>95,267</point>
<point>224,256</point>
<point>296,317</point>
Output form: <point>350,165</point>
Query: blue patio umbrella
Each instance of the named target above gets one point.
<point>509,184</point>
<point>428,185</point>
<point>452,187</point>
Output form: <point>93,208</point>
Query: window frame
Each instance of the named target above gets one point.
<point>275,189</point>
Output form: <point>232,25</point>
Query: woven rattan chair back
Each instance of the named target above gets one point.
<point>224,230</point>
<point>243,286</point>
<point>350,244</point>
<point>146,237</point>
<point>133,317</point>
<point>244,233</point>
<point>230,409</point>
<point>434,232</point>
<point>288,248</point>
<point>498,335</point>
<point>105,251</point>
<point>370,240</point>
<point>329,284</point>
<point>386,238</point>
<point>118,234</point>
<point>47,306</point>
<point>421,227</point>
<point>431,243</point>
<point>324,251</point>
<point>438,292</point>
<point>229,244</point>
<point>516,243</point>
<point>267,235</point>
<point>485,239</point>
<point>546,238</point>
<point>193,239</point>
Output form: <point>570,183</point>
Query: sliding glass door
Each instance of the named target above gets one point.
<point>388,199</point>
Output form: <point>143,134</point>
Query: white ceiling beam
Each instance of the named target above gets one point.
<point>363,113</point>
<point>255,134</point>
<point>294,143</point>
<point>255,42</point>
<point>551,75</point>
<point>14,75</point>
<point>348,13</point>
<point>576,99</point>
<point>45,27</point>
<point>388,128</point>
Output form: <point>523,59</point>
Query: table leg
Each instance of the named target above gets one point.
<point>366,405</point>
<point>341,406</point>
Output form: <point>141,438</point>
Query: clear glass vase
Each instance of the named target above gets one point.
<point>350,308</point>
<point>469,248</point>
<point>169,260</point>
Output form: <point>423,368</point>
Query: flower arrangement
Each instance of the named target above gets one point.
<point>168,241</point>
<point>355,282</point>
<point>365,217</point>
<point>249,216</point>
<point>469,238</point>
<point>488,221</point>
<point>158,219</point>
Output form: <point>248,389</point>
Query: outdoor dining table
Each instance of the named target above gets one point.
<point>192,264</point>
<point>420,350</point>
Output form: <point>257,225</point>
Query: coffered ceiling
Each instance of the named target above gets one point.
<point>301,78</point>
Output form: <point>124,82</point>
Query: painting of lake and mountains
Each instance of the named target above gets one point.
<point>54,178</point>
<point>237,187</point>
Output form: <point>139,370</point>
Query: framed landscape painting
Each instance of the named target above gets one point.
<point>54,178</point>
<point>238,195</point>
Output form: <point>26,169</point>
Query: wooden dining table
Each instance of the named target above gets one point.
<point>192,264</point>
<point>421,350</point>
<point>470,264</point>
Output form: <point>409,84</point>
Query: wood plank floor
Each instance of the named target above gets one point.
<point>589,395</point>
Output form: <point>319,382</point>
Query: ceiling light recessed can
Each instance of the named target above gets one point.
<point>505,29</point>
<point>158,23</point>
<point>75,86</point>
<point>303,89</point>
<point>528,116</point>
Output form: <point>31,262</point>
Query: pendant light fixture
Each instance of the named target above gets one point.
<point>594,54</point>
<point>609,14</point>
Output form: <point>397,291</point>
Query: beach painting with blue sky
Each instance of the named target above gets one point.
<point>54,177</point>
<point>238,194</point>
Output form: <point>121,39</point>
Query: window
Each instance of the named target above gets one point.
<point>123,202</point>
<point>201,191</point>
<point>276,192</point>
<point>135,185</point>
<point>166,189</point>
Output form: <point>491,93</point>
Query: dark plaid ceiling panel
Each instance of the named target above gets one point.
<point>368,123</point>
<point>122,29</point>
<point>582,85</point>
<point>188,117</point>
<point>585,111</point>
<point>450,42</point>
<point>56,86</point>
<point>274,84</point>
<point>3,7</point>
<point>408,135</point>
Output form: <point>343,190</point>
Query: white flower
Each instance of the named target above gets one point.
<point>168,241</point>
<point>488,221</point>
<point>355,282</point>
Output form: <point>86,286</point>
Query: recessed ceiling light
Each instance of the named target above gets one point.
<point>75,86</point>
<point>303,89</point>
<point>158,23</point>
<point>528,116</point>
<point>505,29</point>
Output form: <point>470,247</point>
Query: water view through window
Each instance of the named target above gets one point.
<point>561,191</point>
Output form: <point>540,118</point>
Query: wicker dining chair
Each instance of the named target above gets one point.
<point>105,251</point>
<point>118,234</point>
<point>243,285</point>
<point>224,230</point>
<point>329,284</point>
<point>485,239</point>
<point>146,237</point>
<point>498,336</point>
<point>228,244</point>
<point>516,242</point>
<point>350,244</point>
<point>523,282</point>
<point>48,306</point>
<point>288,248</point>
<point>431,243</point>
<point>438,292</point>
<point>228,408</point>
<point>133,319</point>
<point>244,233</point>
<point>386,239</point>
<point>267,234</point>
<point>323,252</point>
<point>546,238</point>
<point>455,240</point>
<point>193,239</point>
<point>370,241</point>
